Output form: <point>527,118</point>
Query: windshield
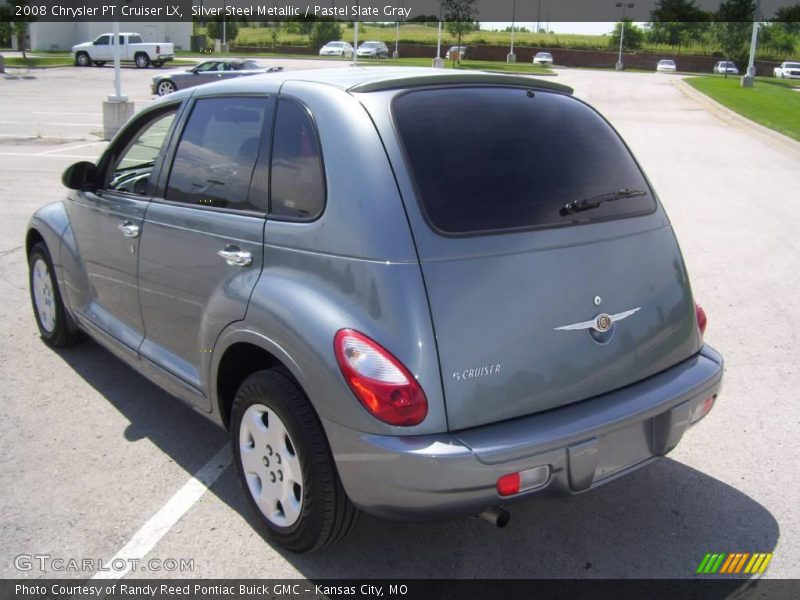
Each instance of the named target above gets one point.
<point>487,159</point>
<point>792,65</point>
<point>543,54</point>
<point>334,44</point>
<point>666,63</point>
<point>369,45</point>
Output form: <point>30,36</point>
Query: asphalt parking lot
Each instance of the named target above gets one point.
<point>93,454</point>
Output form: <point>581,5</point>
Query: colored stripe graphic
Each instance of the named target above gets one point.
<point>730,564</point>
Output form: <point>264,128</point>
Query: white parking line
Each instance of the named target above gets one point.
<point>160,523</point>
<point>55,150</point>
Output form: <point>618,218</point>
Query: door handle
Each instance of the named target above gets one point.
<point>128,229</point>
<point>235,256</point>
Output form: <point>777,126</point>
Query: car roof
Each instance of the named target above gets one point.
<point>373,79</point>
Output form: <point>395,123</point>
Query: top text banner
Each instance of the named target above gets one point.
<point>520,11</point>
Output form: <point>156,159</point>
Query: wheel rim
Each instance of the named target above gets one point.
<point>165,87</point>
<point>271,465</point>
<point>43,295</point>
<point>83,60</point>
<point>140,61</point>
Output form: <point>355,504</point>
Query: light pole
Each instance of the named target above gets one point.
<point>438,63</point>
<point>622,5</point>
<point>396,53</point>
<point>224,29</point>
<point>749,79</point>
<point>511,57</point>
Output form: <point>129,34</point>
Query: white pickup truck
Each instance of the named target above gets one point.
<point>131,49</point>
<point>788,70</point>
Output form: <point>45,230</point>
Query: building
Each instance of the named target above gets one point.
<point>62,36</point>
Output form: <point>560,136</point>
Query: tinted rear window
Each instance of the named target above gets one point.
<point>488,159</point>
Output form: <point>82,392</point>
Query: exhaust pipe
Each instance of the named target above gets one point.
<point>499,517</point>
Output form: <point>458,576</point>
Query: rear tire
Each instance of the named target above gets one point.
<point>82,59</point>
<point>142,60</point>
<point>165,87</point>
<point>99,63</point>
<point>157,64</point>
<point>285,465</point>
<point>55,326</point>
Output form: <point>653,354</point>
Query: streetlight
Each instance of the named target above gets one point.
<point>623,6</point>
<point>511,57</point>
<point>749,79</point>
<point>396,53</point>
<point>438,63</point>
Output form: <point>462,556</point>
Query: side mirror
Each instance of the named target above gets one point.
<point>193,70</point>
<point>80,176</point>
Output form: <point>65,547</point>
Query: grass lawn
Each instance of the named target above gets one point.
<point>38,61</point>
<point>772,103</point>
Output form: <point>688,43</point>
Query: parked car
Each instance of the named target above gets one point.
<point>343,49</point>
<point>207,72</point>
<point>449,355</point>
<point>666,65</point>
<point>726,66</point>
<point>132,49</point>
<point>787,70</point>
<point>373,50</point>
<point>457,53</point>
<point>543,58</point>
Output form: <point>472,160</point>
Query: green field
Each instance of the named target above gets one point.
<point>422,34</point>
<point>772,103</point>
<point>481,65</point>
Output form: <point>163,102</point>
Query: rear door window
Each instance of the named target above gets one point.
<point>217,153</point>
<point>494,159</point>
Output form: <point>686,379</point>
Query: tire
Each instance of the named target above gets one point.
<point>142,60</point>
<point>157,64</point>
<point>304,506</point>
<point>55,326</point>
<point>99,63</point>
<point>165,87</point>
<point>82,59</point>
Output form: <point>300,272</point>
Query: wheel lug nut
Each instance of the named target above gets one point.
<point>278,458</point>
<point>280,475</point>
<point>269,449</point>
<point>272,477</point>
<point>266,461</point>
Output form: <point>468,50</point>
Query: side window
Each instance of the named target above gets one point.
<point>298,177</point>
<point>131,172</point>
<point>215,158</point>
<point>103,40</point>
<point>135,39</point>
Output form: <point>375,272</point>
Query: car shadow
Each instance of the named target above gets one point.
<point>658,522</point>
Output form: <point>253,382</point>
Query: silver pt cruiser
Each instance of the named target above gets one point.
<point>412,293</point>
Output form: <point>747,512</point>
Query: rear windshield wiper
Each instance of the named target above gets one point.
<point>588,203</point>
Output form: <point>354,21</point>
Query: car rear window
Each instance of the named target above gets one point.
<point>488,158</point>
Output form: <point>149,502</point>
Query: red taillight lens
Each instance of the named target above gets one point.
<point>380,381</point>
<point>158,49</point>
<point>508,485</point>
<point>702,320</point>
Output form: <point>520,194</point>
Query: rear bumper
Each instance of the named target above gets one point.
<point>584,445</point>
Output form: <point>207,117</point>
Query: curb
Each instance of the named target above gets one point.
<point>731,117</point>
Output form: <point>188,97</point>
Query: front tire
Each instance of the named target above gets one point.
<point>142,60</point>
<point>82,59</point>
<point>165,87</point>
<point>49,311</point>
<point>285,464</point>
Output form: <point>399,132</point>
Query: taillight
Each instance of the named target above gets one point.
<point>702,320</point>
<point>380,381</point>
<point>158,49</point>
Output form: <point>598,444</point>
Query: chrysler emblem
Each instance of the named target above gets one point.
<point>601,323</point>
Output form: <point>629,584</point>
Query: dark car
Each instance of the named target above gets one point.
<point>423,294</point>
<point>206,72</point>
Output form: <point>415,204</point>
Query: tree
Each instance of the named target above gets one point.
<point>675,22</point>
<point>788,18</point>
<point>632,38</point>
<point>733,27</point>
<point>273,34</point>
<point>460,16</point>
<point>775,38</point>
<point>214,29</point>
<point>324,32</point>
<point>19,25</point>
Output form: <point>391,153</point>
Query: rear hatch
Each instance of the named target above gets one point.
<point>536,232</point>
